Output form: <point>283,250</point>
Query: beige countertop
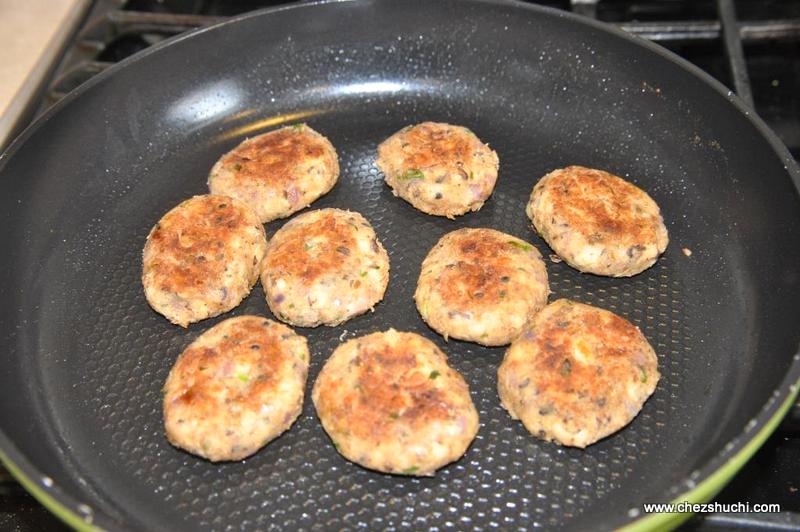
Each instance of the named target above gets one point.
<point>31,35</point>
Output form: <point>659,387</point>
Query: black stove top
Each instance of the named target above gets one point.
<point>751,46</point>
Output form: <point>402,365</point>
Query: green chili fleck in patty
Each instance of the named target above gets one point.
<point>434,374</point>
<point>411,174</point>
<point>520,245</point>
<point>410,470</point>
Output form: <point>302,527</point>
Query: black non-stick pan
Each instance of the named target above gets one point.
<point>84,358</point>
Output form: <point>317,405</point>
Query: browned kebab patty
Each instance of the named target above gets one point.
<point>324,267</point>
<point>597,222</point>
<point>202,258</point>
<point>390,402</point>
<point>440,169</point>
<point>481,285</point>
<point>279,172</point>
<point>237,387</point>
<point>577,374</point>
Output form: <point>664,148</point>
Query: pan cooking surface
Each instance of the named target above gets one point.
<point>544,91</point>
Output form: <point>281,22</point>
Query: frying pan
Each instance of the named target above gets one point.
<point>84,358</point>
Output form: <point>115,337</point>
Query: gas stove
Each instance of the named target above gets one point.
<point>751,46</point>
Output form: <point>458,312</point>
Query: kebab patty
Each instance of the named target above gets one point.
<point>598,222</point>
<point>481,285</point>
<point>236,388</point>
<point>577,374</point>
<point>277,173</point>
<point>202,258</point>
<point>324,267</point>
<point>440,169</point>
<point>390,402</point>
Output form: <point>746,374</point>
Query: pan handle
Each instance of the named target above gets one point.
<point>788,521</point>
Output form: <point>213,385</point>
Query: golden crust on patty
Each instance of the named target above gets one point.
<point>390,402</point>
<point>324,267</point>
<point>577,374</point>
<point>279,172</point>
<point>440,169</point>
<point>481,285</point>
<point>236,388</point>
<point>202,258</point>
<point>598,222</point>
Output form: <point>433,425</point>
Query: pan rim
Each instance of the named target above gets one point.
<point>710,478</point>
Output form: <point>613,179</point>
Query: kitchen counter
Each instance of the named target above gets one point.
<point>31,35</point>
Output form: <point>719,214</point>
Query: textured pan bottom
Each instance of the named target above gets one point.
<point>544,91</point>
